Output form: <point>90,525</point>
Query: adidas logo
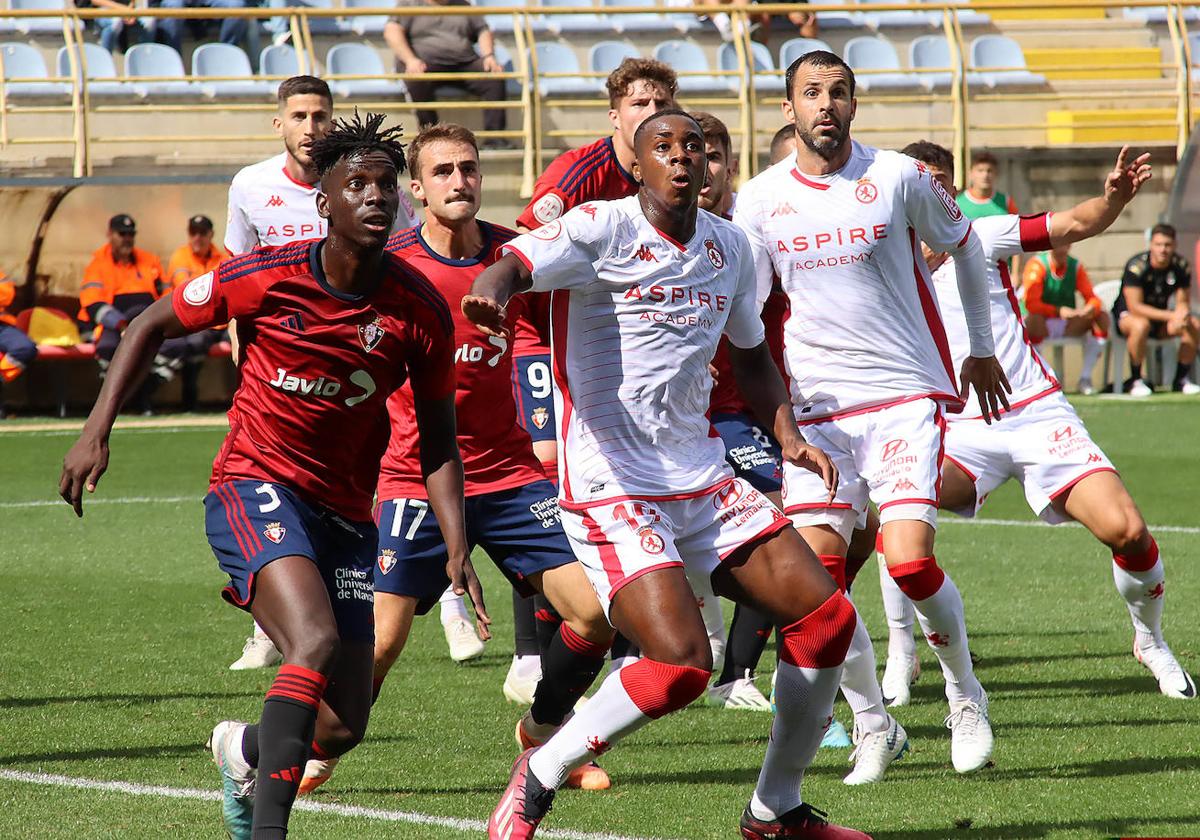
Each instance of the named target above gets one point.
<point>275,201</point>
<point>644,253</point>
<point>291,775</point>
<point>293,322</point>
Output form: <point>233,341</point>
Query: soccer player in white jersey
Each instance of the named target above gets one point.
<point>1042,443</point>
<point>274,202</point>
<point>643,288</point>
<point>840,223</point>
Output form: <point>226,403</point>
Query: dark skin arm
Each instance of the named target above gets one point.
<point>762,387</point>
<point>88,458</point>
<point>492,290</point>
<point>441,465</point>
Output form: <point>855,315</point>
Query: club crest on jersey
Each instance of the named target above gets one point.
<point>386,560</point>
<point>865,192</point>
<point>540,417</point>
<point>652,543</point>
<point>548,208</point>
<point>275,532</point>
<point>371,334</point>
<point>714,254</point>
<point>199,289</point>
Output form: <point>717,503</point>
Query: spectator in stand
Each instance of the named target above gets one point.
<point>197,257</point>
<point>233,29</point>
<point>760,24</point>
<point>446,44</point>
<point>118,33</point>
<point>980,198</point>
<point>1052,280</point>
<point>1154,303</point>
<point>16,349</point>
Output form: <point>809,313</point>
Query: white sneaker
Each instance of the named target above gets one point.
<point>971,740</point>
<point>1086,388</point>
<point>464,644</point>
<point>742,693</point>
<point>258,652</point>
<point>898,675</point>
<point>1187,386</point>
<point>519,686</point>
<point>1138,388</point>
<point>1173,681</point>
<point>873,753</point>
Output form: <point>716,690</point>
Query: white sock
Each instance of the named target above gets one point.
<point>260,633</point>
<point>1093,346</point>
<point>942,620</point>
<point>860,686</point>
<point>1143,596</point>
<point>804,704</point>
<point>900,615</point>
<point>714,624</point>
<point>453,607</point>
<point>618,662</point>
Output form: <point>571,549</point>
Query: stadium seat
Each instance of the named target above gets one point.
<point>316,25</point>
<point>569,24</point>
<point>158,62</point>
<point>837,20</point>
<point>1158,14</point>
<point>512,86</point>
<point>39,25</point>
<point>101,72</point>
<point>998,51</point>
<point>279,60</point>
<point>931,52</point>
<point>967,17</point>
<point>559,58</point>
<point>869,53</point>
<point>796,47</point>
<point>227,60</point>
<point>359,60</point>
<point>366,24</point>
<point>900,17</point>
<point>650,22</point>
<point>1194,45</point>
<point>606,56</point>
<point>688,57</point>
<point>21,61</point>
<point>503,24</point>
<point>764,80</point>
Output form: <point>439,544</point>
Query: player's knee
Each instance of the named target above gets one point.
<point>1135,327</point>
<point>1126,532</point>
<point>690,651</point>
<point>593,628</point>
<point>659,688</point>
<point>821,638</point>
<point>317,649</point>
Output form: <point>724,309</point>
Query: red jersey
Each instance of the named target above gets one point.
<point>589,173</point>
<point>317,368</point>
<point>497,453</point>
<point>726,398</point>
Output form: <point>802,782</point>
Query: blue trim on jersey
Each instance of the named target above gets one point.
<point>318,272</point>
<point>466,261</point>
<point>403,239</point>
<point>617,161</point>
<point>264,261</point>
<point>581,169</point>
<point>422,288</point>
<point>569,175</point>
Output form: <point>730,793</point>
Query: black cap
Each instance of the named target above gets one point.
<point>200,224</point>
<point>122,223</point>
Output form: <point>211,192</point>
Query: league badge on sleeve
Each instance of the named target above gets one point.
<point>199,289</point>
<point>371,334</point>
<point>275,532</point>
<point>386,560</point>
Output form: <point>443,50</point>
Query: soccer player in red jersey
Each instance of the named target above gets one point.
<point>337,325</point>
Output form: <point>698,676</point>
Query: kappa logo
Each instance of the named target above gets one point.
<point>652,543</point>
<point>865,192</point>
<point>938,639</point>
<point>275,201</point>
<point>386,560</point>
<point>783,209</point>
<point>714,254</point>
<point>540,417</point>
<point>903,484</point>
<point>597,746</point>
<point>1156,592</point>
<point>590,209</point>
<point>275,532</point>
<point>644,253</point>
<point>199,289</point>
<point>1062,433</point>
<point>371,334</point>
<point>893,448</point>
<point>727,496</point>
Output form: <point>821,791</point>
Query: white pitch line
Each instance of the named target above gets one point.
<point>1033,523</point>
<point>413,817</point>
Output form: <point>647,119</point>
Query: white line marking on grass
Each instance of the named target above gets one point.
<point>133,789</point>
<point>1033,523</point>
<point>116,500</point>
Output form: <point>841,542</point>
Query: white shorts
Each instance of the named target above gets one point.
<point>890,457</point>
<point>1043,445</point>
<point>618,542</point>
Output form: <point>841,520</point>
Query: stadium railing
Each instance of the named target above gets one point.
<point>975,108</point>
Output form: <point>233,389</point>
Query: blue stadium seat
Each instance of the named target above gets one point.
<point>101,72</point>
<point>967,17</point>
<point>650,22</point>
<point>559,58</point>
<point>606,56</point>
<point>366,24</point>
<point>512,86</point>
<point>764,81</point>
<point>227,60</point>
<point>688,57</point>
<point>360,60</point>
<point>503,24</point>
<point>317,25</point>
<point>838,20</point>
<point>41,25</point>
<point>796,47</point>
<point>157,61</point>
<point>22,61</point>
<point>1194,44</point>
<point>898,17</point>
<point>278,60</point>
<point>1158,14</point>
<point>933,52</point>
<point>870,53</point>
<point>998,51</point>
<point>570,24</point>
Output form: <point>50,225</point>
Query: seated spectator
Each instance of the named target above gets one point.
<point>981,198</point>
<point>1052,279</point>
<point>16,348</point>
<point>197,257</point>
<point>233,29</point>
<point>760,23</point>
<point>1154,303</point>
<point>445,44</point>
<point>118,33</point>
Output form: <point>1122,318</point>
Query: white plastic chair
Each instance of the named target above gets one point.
<point>21,61</point>
<point>870,53</point>
<point>157,60</point>
<point>101,70</point>
<point>227,60</point>
<point>999,51</point>
<point>606,56</point>
<point>559,58</point>
<point>687,57</point>
<point>796,47</point>
<point>763,80</point>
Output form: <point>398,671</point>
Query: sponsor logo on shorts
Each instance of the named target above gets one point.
<point>727,496</point>
<point>275,532</point>
<point>903,484</point>
<point>893,448</point>
<point>714,254</point>
<point>546,512</point>
<point>1094,458</point>
<point>386,560</point>
<point>198,290</point>
<point>865,192</point>
<point>749,457</point>
<point>371,334</point>
<point>540,417</point>
<point>1062,433</point>
<point>353,585</point>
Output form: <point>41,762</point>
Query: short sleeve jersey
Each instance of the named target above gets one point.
<point>496,452</point>
<point>442,39</point>
<point>864,329</point>
<point>318,367</point>
<point>267,206</point>
<point>1002,237</point>
<point>1159,285</point>
<point>636,318</point>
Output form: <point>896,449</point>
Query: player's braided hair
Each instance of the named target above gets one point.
<point>353,137</point>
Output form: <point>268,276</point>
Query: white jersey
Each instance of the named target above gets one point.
<point>635,319</point>
<point>1028,373</point>
<point>267,206</point>
<point>865,330</point>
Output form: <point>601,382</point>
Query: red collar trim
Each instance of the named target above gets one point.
<point>816,185</point>
<point>671,239</point>
<point>288,175</point>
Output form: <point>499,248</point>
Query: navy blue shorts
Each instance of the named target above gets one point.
<point>518,528</point>
<point>251,523</point>
<point>534,392</point>
<point>751,451</point>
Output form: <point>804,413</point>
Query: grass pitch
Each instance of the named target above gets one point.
<point>114,668</point>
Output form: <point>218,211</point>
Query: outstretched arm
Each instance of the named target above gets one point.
<point>492,290</point>
<point>88,458</point>
<point>1094,216</point>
